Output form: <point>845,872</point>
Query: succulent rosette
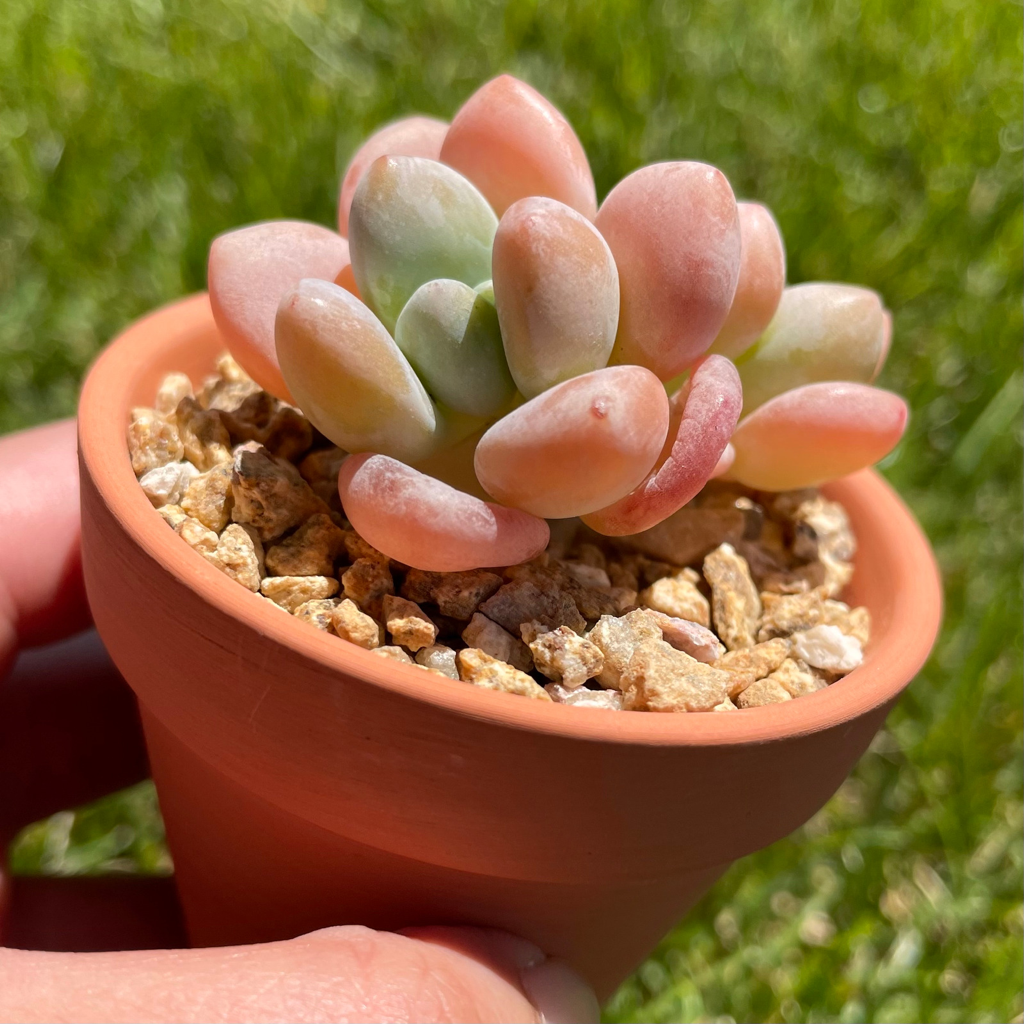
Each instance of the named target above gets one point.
<point>495,350</point>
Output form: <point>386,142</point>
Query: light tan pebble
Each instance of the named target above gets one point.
<point>279,427</point>
<point>229,370</point>
<point>408,625</point>
<point>521,600</point>
<point>829,648</point>
<point>618,637</point>
<point>319,613</point>
<point>440,659</point>
<point>822,533</point>
<point>166,485</point>
<point>173,388</point>
<point>152,441</point>
<point>310,551</point>
<point>173,515</point>
<point>191,531</point>
<point>726,705</point>
<point>210,497</point>
<point>394,653</point>
<point>798,678</point>
<point>366,581</point>
<point>764,691</point>
<point>660,678</point>
<point>459,594</point>
<point>678,597</point>
<point>480,669</point>
<point>581,697</point>
<point>490,638</point>
<point>588,575</point>
<point>783,614</point>
<point>529,631</point>
<point>239,555</point>
<point>206,440</point>
<point>855,622</point>
<point>749,664</point>
<point>735,603</point>
<point>291,591</point>
<point>696,640</point>
<point>625,574</point>
<point>269,494</point>
<point>590,554</point>
<point>320,470</point>
<point>566,657</point>
<point>837,575</point>
<point>689,534</point>
<point>225,396</point>
<point>355,626</point>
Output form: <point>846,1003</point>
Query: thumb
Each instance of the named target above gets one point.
<point>338,974</point>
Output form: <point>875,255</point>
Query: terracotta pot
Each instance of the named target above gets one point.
<point>306,782</point>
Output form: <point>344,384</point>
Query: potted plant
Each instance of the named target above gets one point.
<point>308,781</point>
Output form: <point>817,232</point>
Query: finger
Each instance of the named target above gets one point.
<point>42,596</point>
<point>69,731</point>
<point>92,914</point>
<point>337,974</point>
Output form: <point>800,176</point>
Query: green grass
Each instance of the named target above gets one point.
<point>886,136</point>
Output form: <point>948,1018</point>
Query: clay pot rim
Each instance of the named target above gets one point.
<point>892,659</point>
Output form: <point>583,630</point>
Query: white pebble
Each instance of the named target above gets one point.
<point>828,648</point>
<point>609,700</point>
<point>166,485</point>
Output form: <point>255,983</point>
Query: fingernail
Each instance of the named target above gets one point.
<point>559,994</point>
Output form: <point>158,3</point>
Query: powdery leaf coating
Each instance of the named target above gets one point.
<point>450,335</point>
<point>735,602</point>
<point>678,597</point>
<point>355,626</point>
<point>819,332</point>
<point>348,375</point>
<point>762,278</point>
<point>440,659</point>
<point>556,290</point>
<point>577,446</point>
<point>660,678</point>
<point>829,648</point>
<point>703,415</point>
<point>481,669</point>
<point>674,231</point>
<point>512,143</point>
<point>581,697</point>
<point>291,591</point>
<point>412,221</point>
<point>816,433</point>
<point>566,657</point>
<point>250,269</point>
<point>407,624</point>
<point>499,643</point>
<point>152,441</point>
<point>166,485</point>
<point>411,136</point>
<point>426,524</point>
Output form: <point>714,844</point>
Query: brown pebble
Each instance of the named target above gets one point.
<point>310,551</point>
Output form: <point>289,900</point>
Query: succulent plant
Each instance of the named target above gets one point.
<point>495,350</point>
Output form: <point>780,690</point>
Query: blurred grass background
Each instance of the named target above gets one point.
<point>886,137</point>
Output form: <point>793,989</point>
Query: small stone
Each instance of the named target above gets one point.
<point>166,485</point>
<point>310,551</point>
<point>480,669</point>
<point>591,554</point>
<point>291,591</point>
<point>269,494</point>
<point>678,597</point>
<point>566,657</point>
<point>696,640</point>
<point>625,573</point>
<point>783,614</point>
<point>229,370</point>
<point>279,427</point>
<point>660,678</point>
<point>762,692</point>
<point>829,648</point>
<point>822,533</point>
<point>358,548</point>
<point>735,604</point>
<point>489,637</point>
<point>726,705</point>
<point>320,470</point>
<point>440,659</point>
<point>588,575</point>
<point>191,531</point>
<point>407,624</point>
<point>239,555</point>
<point>152,441</point>
<point>210,497</point>
<point>581,697</point>
<point>394,653</point>
<point>419,584</point>
<point>366,581</point>
<point>855,622</point>
<point>795,581</point>
<point>749,664</point>
<point>553,578</point>
<point>618,637</point>
<point>203,435</point>
<point>625,599</point>
<point>521,601</point>
<point>355,626</point>
<point>797,678</point>
<point>529,631</point>
<point>173,388</point>
<point>689,534</point>
<point>459,594</point>
<point>221,395</point>
<point>319,613</point>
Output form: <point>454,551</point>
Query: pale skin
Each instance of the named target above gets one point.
<point>69,733</point>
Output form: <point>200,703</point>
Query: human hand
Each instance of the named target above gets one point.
<point>69,733</point>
